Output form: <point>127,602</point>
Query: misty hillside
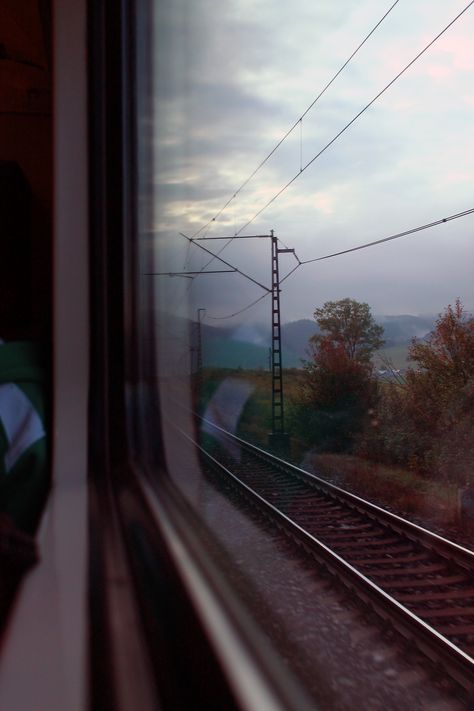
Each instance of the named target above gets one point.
<point>246,346</point>
<point>401,329</point>
<point>295,337</point>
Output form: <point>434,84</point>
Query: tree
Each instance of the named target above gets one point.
<point>426,421</point>
<point>441,391</point>
<point>444,371</point>
<point>349,324</point>
<point>446,358</point>
<point>339,390</point>
<point>336,381</point>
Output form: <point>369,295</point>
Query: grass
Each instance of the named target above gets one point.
<point>255,420</point>
<point>398,489</point>
<point>391,487</point>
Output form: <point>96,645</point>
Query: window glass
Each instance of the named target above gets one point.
<point>305,278</point>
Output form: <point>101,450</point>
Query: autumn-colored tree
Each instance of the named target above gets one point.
<point>444,367</point>
<point>334,379</point>
<point>440,391</point>
<point>445,359</point>
<point>426,422</point>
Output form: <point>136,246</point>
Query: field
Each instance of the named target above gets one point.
<point>398,489</point>
<point>395,355</point>
<point>255,420</point>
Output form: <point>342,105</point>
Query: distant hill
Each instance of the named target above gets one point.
<point>295,337</point>
<point>247,345</point>
<point>401,329</point>
<point>227,353</point>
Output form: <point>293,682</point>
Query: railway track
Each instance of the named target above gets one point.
<point>420,582</point>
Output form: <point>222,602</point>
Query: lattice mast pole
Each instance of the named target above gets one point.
<point>278,410</point>
<point>278,421</point>
<point>199,349</point>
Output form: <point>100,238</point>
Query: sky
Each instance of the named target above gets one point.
<point>230,78</point>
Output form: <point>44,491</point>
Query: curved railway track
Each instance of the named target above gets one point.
<point>420,582</point>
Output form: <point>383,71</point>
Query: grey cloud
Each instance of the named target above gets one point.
<point>228,86</point>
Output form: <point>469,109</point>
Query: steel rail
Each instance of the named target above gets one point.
<point>249,682</point>
<point>435,645</point>
<point>443,546</point>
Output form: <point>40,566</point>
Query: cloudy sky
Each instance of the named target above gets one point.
<point>231,77</point>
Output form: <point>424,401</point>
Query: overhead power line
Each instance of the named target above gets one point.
<point>296,123</point>
<point>249,306</point>
<point>215,256</point>
<point>237,313</point>
<point>411,231</point>
<point>288,133</point>
<point>188,273</point>
<point>392,237</point>
<point>353,120</point>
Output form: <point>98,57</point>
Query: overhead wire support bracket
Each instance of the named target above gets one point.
<point>278,437</point>
<point>201,239</point>
<point>239,271</point>
<point>173,274</point>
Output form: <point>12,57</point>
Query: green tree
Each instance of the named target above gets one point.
<point>339,390</point>
<point>350,324</point>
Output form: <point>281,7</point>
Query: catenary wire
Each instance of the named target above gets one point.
<point>191,273</point>
<point>291,272</point>
<point>392,237</point>
<point>264,296</point>
<point>414,230</point>
<point>290,130</point>
<point>354,119</point>
<point>216,255</point>
<point>236,313</point>
<point>239,271</point>
<point>296,123</point>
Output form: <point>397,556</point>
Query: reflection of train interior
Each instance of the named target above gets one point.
<point>149,557</point>
<point>106,599</point>
<point>25,283</point>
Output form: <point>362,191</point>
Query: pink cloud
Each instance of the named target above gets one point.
<point>438,71</point>
<point>458,176</point>
<point>452,53</point>
<point>461,49</point>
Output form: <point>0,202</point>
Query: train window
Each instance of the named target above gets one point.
<point>263,355</point>
<point>304,294</point>
<point>263,439</point>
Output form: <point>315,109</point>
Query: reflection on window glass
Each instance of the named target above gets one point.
<point>308,264</point>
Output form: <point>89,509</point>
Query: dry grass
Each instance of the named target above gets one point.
<point>400,490</point>
<point>397,489</point>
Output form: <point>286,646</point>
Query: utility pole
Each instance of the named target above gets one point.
<point>199,349</point>
<point>196,347</point>
<point>278,438</point>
